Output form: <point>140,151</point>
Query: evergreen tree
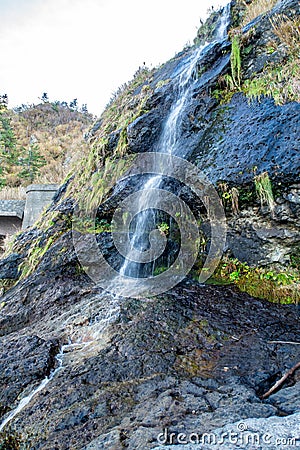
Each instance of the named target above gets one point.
<point>7,139</point>
<point>2,179</point>
<point>45,98</point>
<point>31,163</point>
<point>74,104</point>
<point>3,101</point>
<point>84,109</point>
<point>8,148</point>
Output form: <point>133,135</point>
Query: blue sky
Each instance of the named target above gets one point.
<point>85,49</point>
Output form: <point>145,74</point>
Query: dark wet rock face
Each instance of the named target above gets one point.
<point>243,138</point>
<point>9,267</point>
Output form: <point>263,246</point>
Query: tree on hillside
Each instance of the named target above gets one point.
<point>8,148</point>
<point>45,97</point>
<point>3,101</point>
<point>7,138</point>
<point>8,144</point>
<point>84,109</point>
<point>31,162</point>
<point>74,104</point>
<point>2,179</point>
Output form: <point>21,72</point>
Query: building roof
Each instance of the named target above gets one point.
<point>12,208</point>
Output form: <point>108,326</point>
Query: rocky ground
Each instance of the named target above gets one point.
<point>190,361</point>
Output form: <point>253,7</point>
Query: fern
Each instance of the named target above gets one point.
<point>264,191</point>
<point>235,60</point>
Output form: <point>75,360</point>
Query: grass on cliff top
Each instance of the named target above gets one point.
<point>12,193</point>
<point>124,105</point>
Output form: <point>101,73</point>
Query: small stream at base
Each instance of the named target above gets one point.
<point>24,402</point>
<point>97,327</point>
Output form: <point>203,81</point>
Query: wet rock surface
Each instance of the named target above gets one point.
<point>25,361</point>
<point>192,360</point>
<point>245,136</point>
<point>9,267</point>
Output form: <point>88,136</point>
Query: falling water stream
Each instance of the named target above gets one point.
<point>168,143</point>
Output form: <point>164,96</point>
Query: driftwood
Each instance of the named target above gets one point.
<point>284,342</point>
<point>281,381</point>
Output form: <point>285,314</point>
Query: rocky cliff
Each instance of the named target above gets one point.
<point>99,370</point>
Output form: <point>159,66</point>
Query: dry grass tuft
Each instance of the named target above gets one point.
<point>8,193</point>
<point>279,81</point>
<point>6,244</point>
<point>256,8</point>
<point>288,31</point>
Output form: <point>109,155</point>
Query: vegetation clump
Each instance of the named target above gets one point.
<point>273,285</point>
<point>235,59</point>
<point>279,81</point>
<point>207,29</point>
<point>105,163</point>
<point>12,441</point>
<point>264,190</point>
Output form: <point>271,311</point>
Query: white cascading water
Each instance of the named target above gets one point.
<point>168,143</point>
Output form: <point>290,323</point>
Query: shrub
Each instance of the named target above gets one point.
<point>276,286</point>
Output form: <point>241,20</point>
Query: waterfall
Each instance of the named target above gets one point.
<point>168,143</point>
<point>145,222</point>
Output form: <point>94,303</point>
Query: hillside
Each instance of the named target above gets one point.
<point>55,130</point>
<point>156,301</point>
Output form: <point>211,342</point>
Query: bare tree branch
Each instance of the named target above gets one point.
<point>281,381</point>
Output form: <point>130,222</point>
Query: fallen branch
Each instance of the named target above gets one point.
<point>281,381</point>
<point>283,342</point>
